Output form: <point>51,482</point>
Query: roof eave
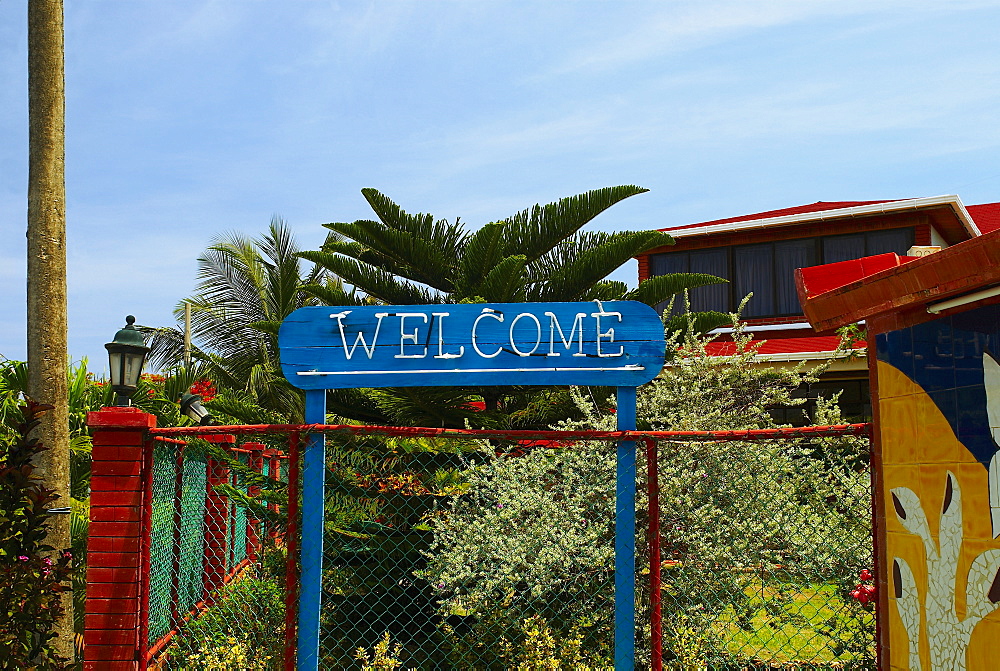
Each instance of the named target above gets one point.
<point>909,205</point>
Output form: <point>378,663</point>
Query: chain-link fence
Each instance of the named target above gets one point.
<point>492,550</point>
<point>760,547</point>
<point>467,553</point>
<point>498,553</point>
<point>217,579</point>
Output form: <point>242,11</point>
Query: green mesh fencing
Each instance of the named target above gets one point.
<point>192,535</point>
<point>463,559</point>
<point>762,544</point>
<point>239,535</point>
<point>216,598</point>
<point>469,552</point>
<point>161,547</point>
<point>495,554</point>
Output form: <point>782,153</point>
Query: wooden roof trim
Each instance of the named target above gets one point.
<point>961,269</point>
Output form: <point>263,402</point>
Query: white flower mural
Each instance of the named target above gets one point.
<point>947,636</point>
<point>991,377</point>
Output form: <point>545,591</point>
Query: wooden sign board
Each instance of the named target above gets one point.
<point>617,343</point>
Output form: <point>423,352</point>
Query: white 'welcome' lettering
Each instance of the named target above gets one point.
<point>577,328</point>
<point>361,334</point>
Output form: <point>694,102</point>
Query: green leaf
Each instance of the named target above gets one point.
<point>658,289</point>
<point>535,231</point>
<point>505,282</point>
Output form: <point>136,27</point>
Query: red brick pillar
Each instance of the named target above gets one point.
<point>216,520</point>
<point>255,462</point>
<point>118,549</point>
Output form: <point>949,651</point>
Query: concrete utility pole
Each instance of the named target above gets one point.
<point>47,332</point>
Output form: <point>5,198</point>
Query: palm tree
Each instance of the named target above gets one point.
<point>538,254</point>
<point>47,333</point>
<point>246,287</point>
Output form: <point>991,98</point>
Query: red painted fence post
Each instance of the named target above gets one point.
<point>117,570</point>
<point>255,462</point>
<point>216,519</point>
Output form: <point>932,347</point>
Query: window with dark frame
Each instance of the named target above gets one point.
<point>854,401</point>
<point>767,269</point>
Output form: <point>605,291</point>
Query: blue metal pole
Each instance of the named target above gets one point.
<point>625,535</point>
<point>310,589</point>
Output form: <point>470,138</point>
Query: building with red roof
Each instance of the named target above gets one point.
<point>759,253</point>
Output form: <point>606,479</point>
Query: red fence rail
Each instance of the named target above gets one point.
<point>118,599</point>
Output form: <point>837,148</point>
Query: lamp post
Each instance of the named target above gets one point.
<point>191,407</point>
<point>126,354</point>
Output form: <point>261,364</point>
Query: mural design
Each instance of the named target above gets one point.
<point>939,405</point>
<point>991,380</point>
<point>948,636</point>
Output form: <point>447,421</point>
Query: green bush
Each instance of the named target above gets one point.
<point>248,612</point>
<point>32,574</point>
<point>534,534</point>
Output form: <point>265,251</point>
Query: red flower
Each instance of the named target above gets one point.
<point>204,388</point>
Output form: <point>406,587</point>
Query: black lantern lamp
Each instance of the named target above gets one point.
<point>192,407</point>
<point>127,354</point>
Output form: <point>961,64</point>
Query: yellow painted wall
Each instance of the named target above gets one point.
<point>919,448</point>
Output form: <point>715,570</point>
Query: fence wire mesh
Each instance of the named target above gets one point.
<point>761,544</point>
<point>466,554</point>
<point>499,554</point>
<point>486,552</point>
<point>217,579</point>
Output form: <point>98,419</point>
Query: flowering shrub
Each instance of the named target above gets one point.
<point>247,621</point>
<point>32,574</point>
<point>865,594</point>
<point>542,650</point>
<point>384,656</point>
<point>204,388</point>
<point>534,534</point>
<point>233,653</point>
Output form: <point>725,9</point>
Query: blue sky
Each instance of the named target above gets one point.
<point>189,119</point>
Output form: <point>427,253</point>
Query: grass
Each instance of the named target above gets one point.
<point>785,622</point>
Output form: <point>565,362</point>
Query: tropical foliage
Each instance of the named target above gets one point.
<point>533,535</point>
<point>32,575</point>
<point>246,287</point>
<point>538,254</point>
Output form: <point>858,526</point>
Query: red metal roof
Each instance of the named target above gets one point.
<point>986,216</point>
<point>782,346</point>
<point>818,206</point>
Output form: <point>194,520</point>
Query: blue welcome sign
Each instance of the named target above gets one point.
<point>616,343</point>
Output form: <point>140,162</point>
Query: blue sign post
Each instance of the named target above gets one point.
<point>618,344</point>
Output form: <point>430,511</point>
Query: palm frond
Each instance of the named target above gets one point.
<point>484,250</point>
<point>425,406</point>
<point>449,236</point>
<point>535,231</point>
<point>332,294</point>
<point>573,267</point>
<point>374,281</point>
<point>606,290</point>
<point>505,282</point>
<point>426,261</point>
<point>658,289</point>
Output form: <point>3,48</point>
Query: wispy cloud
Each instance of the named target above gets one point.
<point>663,28</point>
